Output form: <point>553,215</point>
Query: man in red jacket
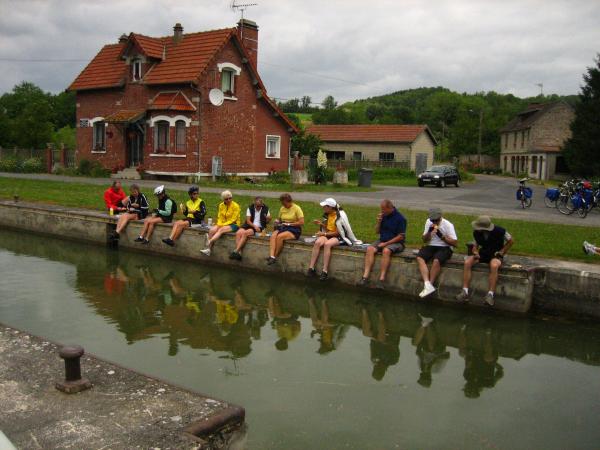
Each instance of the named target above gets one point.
<point>114,196</point>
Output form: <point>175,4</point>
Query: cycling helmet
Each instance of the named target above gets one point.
<point>193,189</point>
<point>159,190</point>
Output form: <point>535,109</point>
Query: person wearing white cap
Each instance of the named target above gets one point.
<point>440,237</point>
<point>334,230</point>
<point>163,214</point>
<point>491,245</point>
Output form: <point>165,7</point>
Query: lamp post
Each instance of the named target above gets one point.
<point>480,133</point>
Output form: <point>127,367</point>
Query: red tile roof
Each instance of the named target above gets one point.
<point>125,116</point>
<point>150,46</point>
<point>105,70</point>
<point>171,101</point>
<point>369,133</point>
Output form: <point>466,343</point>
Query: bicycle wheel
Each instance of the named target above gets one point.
<point>527,202</point>
<point>550,203</point>
<point>565,205</point>
<point>583,212</point>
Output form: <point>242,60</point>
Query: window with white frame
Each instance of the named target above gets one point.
<point>99,138</point>
<point>136,70</point>
<point>228,82</point>
<point>273,146</point>
<point>180,136</point>
<point>161,136</point>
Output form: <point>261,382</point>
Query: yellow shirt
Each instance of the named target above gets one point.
<point>192,206</point>
<point>331,218</point>
<point>291,214</point>
<point>228,215</point>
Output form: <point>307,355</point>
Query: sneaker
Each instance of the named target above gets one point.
<point>169,242</point>
<point>380,284</point>
<point>206,251</point>
<point>271,260</point>
<point>489,299</point>
<point>311,272</point>
<point>323,276</point>
<point>139,239</point>
<point>232,255</point>
<point>363,282</point>
<point>238,256</point>
<point>588,248</point>
<point>427,290</point>
<point>145,241</point>
<point>425,321</point>
<point>463,296</point>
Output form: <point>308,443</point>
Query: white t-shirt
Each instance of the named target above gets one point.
<point>445,227</point>
<point>256,222</point>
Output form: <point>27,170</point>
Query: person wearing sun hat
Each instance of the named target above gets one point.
<point>492,242</point>
<point>439,237</point>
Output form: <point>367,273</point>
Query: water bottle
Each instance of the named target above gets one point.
<point>209,222</point>
<point>111,212</point>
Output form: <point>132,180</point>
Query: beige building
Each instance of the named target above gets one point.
<point>530,144</point>
<point>412,144</point>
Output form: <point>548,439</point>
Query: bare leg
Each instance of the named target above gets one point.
<point>241,237</point>
<point>369,261</point>
<point>386,259</point>
<point>436,268</point>
<point>273,243</point>
<point>316,250</point>
<point>123,220</point>
<point>494,267</point>
<point>178,228</point>
<point>281,237</point>
<point>333,242</point>
<point>217,234</point>
<point>423,269</point>
<point>149,226</point>
<point>212,231</point>
<point>469,263</point>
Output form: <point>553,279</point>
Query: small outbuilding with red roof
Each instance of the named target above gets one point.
<point>144,102</point>
<point>412,144</point>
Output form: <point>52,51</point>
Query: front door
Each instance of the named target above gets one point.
<point>135,146</point>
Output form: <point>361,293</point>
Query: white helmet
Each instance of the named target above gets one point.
<point>159,190</point>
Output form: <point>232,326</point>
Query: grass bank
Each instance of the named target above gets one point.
<point>535,239</point>
<point>387,176</point>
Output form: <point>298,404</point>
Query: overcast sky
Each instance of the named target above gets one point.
<point>350,49</point>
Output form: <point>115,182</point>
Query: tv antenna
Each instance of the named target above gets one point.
<point>540,85</point>
<point>241,7</point>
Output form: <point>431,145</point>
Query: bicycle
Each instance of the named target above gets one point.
<point>524,194</point>
<point>567,191</point>
<point>586,198</point>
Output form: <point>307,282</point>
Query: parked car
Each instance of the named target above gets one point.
<point>441,176</point>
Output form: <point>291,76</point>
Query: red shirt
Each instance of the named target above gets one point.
<point>113,199</point>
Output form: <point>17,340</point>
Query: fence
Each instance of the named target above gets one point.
<point>51,157</point>
<point>487,161</point>
<point>308,162</point>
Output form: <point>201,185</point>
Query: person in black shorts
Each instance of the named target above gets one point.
<point>491,245</point>
<point>440,237</point>
<point>194,211</point>
<point>257,218</point>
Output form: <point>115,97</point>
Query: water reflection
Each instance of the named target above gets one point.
<point>228,311</point>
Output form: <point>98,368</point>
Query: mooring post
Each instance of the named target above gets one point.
<point>73,382</point>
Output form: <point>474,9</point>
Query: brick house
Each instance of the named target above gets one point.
<point>412,144</point>
<point>531,142</point>
<point>144,101</point>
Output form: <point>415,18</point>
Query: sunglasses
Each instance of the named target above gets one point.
<point>229,198</point>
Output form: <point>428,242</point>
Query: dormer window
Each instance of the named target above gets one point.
<point>136,70</point>
<point>228,73</point>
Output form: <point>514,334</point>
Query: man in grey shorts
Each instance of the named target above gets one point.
<point>391,227</point>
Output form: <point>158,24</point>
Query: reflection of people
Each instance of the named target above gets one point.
<point>136,208</point>
<point>194,211</point>
<point>163,214</point>
<point>481,366</point>
<point>288,225</point>
<point>257,218</point>
<point>115,281</point>
<point>491,245</point>
<point>114,197</point>
<point>590,249</point>
<point>228,219</point>
<point>334,230</point>
<point>430,350</point>
<point>330,335</point>
<point>391,227</point>
<point>440,237</point>
<point>385,347</point>
<point>287,325</point>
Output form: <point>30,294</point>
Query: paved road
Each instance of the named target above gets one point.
<point>490,194</point>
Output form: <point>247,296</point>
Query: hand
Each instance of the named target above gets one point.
<point>379,217</point>
<point>431,228</point>
<point>499,255</point>
<point>476,255</point>
<point>321,233</point>
<point>381,245</point>
<point>134,205</point>
<point>318,222</point>
<point>256,228</point>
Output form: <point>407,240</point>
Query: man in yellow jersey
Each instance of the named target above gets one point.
<point>194,211</point>
<point>228,220</point>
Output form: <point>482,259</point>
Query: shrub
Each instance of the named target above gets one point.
<point>98,171</point>
<point>32,165</point>
<point>278,178</point>
<point>85,167</point>
<point>10,164</point>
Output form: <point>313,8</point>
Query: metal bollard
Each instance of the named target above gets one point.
<point>73,382</point>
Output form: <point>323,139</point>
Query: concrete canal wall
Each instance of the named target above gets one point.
<point>524,283</point>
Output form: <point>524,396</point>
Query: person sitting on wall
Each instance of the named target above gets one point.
<point>228,219</point>
<point>334,230</point>
<point>391,227</point>
<point>491,245</point>
<point>257,218</point>
<point>590,249</point>
<point>114,197</point>
<point>136,208</point>
<point>194,211</point>
<point>288,225</point>
<point>440,237</point>
<point>163,214</point>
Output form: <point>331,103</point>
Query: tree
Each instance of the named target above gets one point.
<point>329,103</point>
<point>306,143</point>
<point>305,103</point>
<point>582,150</point>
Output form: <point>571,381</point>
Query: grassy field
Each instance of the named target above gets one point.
<point>396,177</point>
<point>539,239</point>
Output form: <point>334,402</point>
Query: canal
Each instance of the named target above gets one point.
<point>315,366</point>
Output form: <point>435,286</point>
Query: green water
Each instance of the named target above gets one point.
<point>315,367</point>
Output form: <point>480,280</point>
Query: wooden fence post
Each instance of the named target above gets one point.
<point>49,158</point>
<point>63,155</point>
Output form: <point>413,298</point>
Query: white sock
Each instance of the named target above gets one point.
<point>490,293</point>
<point>428,284</point>
<point>466,290</point>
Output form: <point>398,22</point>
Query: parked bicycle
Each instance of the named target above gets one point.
<point>567,191</point>
<point>524,193</point>
<point>586,198</point>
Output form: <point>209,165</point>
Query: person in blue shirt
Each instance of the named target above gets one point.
<point>391,227</point>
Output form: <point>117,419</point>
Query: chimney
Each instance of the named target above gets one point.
<point>248,33</point>
<point>123,38</point>
<point>177,32</point>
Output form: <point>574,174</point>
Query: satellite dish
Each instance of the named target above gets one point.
<point>216,97</point>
